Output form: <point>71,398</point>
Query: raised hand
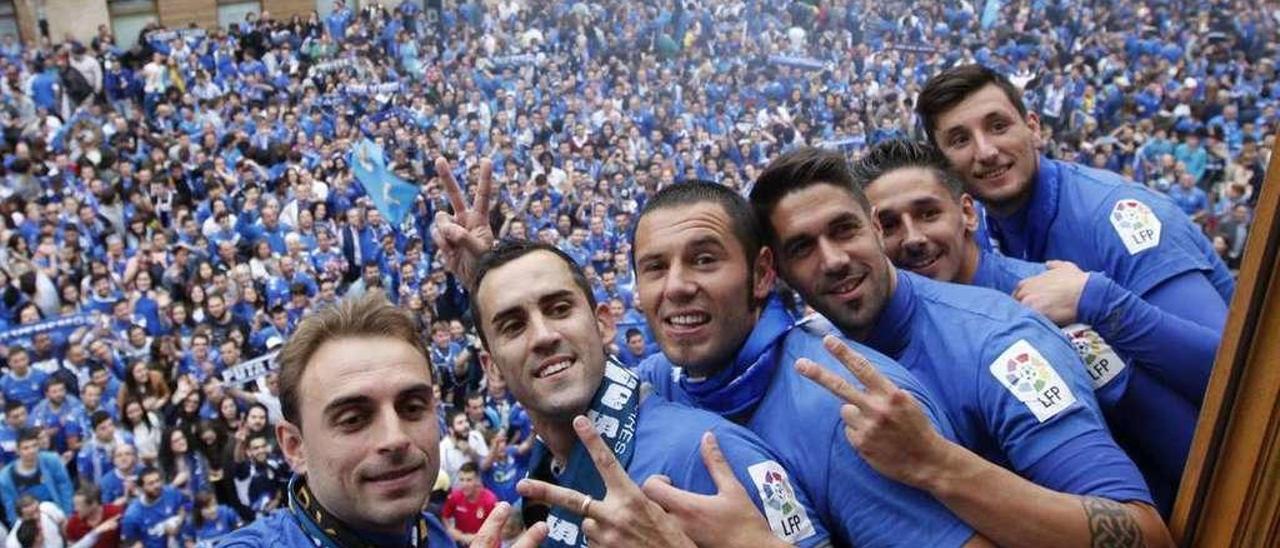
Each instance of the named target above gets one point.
<point>490,533</point>
<point>702,517</point>
<point>626,517</point>
<point>462,237</point>
<point>884,423</point>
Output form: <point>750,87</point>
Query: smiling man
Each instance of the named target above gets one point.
<point>545,335</point>
<point>1023,409</point>
<point>704,281</point>
<point>359,430</point>
<point>1134,243</point>
<point>929,225</point>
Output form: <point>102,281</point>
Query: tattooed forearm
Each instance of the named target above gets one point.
<point>1111,525</point>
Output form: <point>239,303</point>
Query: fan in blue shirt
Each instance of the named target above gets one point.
<point>22,383</point>
<point>156,516</point>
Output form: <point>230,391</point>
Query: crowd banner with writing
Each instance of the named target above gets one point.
<point>250,370</point>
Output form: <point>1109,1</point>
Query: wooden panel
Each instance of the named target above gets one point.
<point>178,13</point>
<point>76,18</point>
<point>1230,493</point>
<point>284,9</point>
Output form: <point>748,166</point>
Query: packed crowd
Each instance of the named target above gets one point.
<point>174,208</point>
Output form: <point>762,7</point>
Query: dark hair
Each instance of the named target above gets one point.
<point>202,499</point>
<point>952,86</point>
<point>147,471</point>
<point>509,250</point>
<point>469,466</point>
<point>742,219</point>
<point>98,416</point>
<point>27,532</point>
<point>632,332</point>
<point>896,154</point>
<point>13,405</point>
<point>797,170</point>
<point>28,434</point>
<point>51,381</point>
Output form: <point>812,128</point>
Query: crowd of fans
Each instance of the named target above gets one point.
<point>171,209</point>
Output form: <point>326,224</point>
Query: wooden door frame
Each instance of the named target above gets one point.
<point>1230,493</point>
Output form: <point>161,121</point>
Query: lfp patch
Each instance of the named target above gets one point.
<point>1137,226</point>
<point>1100,361</point>
<point>1030,378</point>
<point>786,517</point>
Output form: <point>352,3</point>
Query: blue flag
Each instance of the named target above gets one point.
<point>991,13</point>
<point>392,195</point>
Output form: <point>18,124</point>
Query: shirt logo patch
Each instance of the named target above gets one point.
<point>561,530</point>
<point>1030,378</point>
<point>782,509</point>
<point>1137,226</point>
<point>1100,361</point>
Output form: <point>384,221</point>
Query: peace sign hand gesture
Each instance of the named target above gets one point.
<point>884,423</point>
<point>462,237</point>
<point>626,517</point>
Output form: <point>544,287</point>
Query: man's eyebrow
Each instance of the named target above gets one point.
<point>346,401</point>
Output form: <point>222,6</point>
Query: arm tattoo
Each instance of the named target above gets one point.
<point>1110,525</point>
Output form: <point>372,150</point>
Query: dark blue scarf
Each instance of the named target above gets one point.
<point>614,410</point>
<point>1025,233</point>
<point>734,391</point>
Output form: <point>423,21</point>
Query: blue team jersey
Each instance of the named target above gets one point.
<point>1148,418</point>
<point>502,476</point>
<point>668,438</point>
<point>146,523</point>
<point>114,484</point>
<point>800,420</point>
<point>29,389</point>
<point>223,523</point>
<point>64,420</point>
<point>1013,386</point>
<point>1102,222</point>
<point>281,529</point>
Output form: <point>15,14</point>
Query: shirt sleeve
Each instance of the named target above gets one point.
<point>873,510</point>
<point>1040,408</point>
<point>1145,240</point>
<point>788,509</point>
<point>1174,332</point>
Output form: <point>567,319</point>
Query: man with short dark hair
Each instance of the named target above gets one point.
<point>1013,387</point>
<point>1126,241</point>
<point>705,282</point>
<point>154,519</point>
<point>40,474</point>
<point>94,459</point>
<point>597,433</point>
<point>93,523</point>
<point>929,226</point>
<point>468,505</point>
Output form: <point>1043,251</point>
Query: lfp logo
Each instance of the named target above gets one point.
<point>1137,226</point>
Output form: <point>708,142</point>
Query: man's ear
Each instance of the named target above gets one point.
<point>763,274</point>
<point>486,365</point>
<point>607,323</point>
<point>290,437</point>
<point>1033,122</point>
<point>969,211</point>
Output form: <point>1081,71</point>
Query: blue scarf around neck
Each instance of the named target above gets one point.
<point>734,391</point>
